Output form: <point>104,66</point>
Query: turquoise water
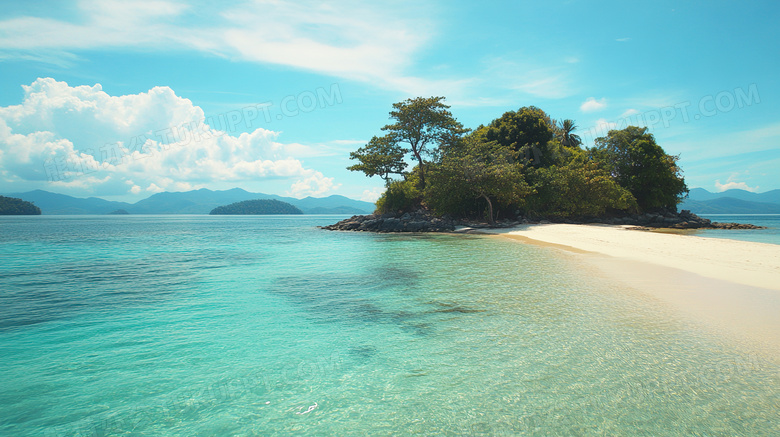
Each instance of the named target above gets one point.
<point>248,326</point>
<point>769,235</point>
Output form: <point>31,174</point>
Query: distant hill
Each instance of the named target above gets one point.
<point>53,203</point>
<point>256,207</point>
<point>701,201</point>
<point>14,206</point>
<point>700,194</point>
<point>188,202</point>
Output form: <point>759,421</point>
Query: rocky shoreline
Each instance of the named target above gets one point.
<point>423,221</point>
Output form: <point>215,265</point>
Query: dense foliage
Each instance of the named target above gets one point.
<point>424,125</point>
<point>522,163</point>
<point>14,206</point>
<point>259,206</point>
<point>641,166</point>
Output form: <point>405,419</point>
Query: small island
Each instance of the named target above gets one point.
<point>14,206</point>
<point>119,212</point>
<point>256,207</point>
<point>523,167</point>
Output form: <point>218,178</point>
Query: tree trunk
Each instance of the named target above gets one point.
<point>490,210</point>
<point>422,169</point>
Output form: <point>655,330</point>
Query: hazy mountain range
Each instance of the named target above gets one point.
<point>188,202</point>
<point>701,201</point>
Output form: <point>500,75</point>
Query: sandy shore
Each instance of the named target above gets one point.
<point>734,285</point>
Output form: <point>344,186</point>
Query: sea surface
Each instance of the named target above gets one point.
<point>769,235</point>
<point>267,325</point>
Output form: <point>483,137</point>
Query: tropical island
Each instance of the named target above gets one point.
<point>523,166</point>
<point>256,207</point>
<point>14,206</point>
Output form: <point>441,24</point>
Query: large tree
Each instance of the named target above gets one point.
<point>580,188</point>
<point>477,170</point>
<point>425,124</point>
<point>641,166</point>
<point>380,157</point>
<point>527,131</point>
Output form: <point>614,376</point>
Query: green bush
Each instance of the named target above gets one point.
<point>400,196</point>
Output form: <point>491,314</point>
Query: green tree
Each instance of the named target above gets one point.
<point>568,138</point>
<point>424,123</point>
<point>258,206</point>
<point>14,206</point>
<point>479,170</point>
<point>380,157</point>
<point>641,166</point>
<point>527,131</point>
<point>580,188</point>
<point>400,196</point>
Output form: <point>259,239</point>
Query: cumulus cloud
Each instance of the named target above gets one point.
<point>83,137</point>
<point>591,104</point>
<point>730,185</point>
<point>315,185</point>
<point>372,195</point>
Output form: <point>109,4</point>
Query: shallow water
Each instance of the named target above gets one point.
<point>229,325</point>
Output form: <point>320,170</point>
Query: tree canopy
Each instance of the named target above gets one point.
<point>524,162</point>
<point>259,206</point>
<point>477,170</point>
<point>424,124</point>
<point>14,206</point>
<point>641,166</point>
<point>380,157</point>
<point>526,131</point>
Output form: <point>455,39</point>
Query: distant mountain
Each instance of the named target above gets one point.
<point>701,201</point>
<point>700,194</point>
<point>188,202</point>
<point>730,205</point>
<point>53,203</point>
<point>203,201</point>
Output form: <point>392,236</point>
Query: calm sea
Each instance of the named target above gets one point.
<point>249,326</point>
<point>769,235</point>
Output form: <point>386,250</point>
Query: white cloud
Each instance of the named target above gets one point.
<point>374,42</point>
<point>153,188</point>
<point>591,105</point>
<point>623,39</point>
<point>629,113</point>
<point>82,137</point>
<point>372,195</point>
<point>731,184</point>
<point>315,185</point>
<point>348,39</point>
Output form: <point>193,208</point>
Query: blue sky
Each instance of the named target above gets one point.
<point>122,99</point>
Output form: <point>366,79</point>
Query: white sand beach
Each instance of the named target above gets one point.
<point>734,285</point>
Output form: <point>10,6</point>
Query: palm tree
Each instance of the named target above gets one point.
<point>566,127</point>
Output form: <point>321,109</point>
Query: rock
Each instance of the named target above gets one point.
<point>416,221</point>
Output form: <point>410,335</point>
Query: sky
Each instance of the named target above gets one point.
<point>124,99</point>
